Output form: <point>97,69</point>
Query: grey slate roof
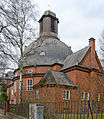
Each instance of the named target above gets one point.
<point>56,78</point>
<point>54,50</point>
<point>75,58</point>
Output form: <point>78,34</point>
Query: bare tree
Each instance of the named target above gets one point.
<point>2,24</point>
<point>101,48</point>
<point>3,65</point>
<point>17,30</point>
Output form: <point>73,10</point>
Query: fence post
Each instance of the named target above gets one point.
<point>81,110</point>
<point>96,109</point>
<point>101,108</point>
<point>90,110</point>
<point>77,108</point>
<point>84,109</point>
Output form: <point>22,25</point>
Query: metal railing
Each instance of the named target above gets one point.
<point>20,109</point>
<point>65,110</point>
<point>74,110</point>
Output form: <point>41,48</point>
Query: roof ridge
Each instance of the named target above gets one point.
<point>84,54</point>
<point>79,50</point>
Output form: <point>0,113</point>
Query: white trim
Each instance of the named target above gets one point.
<point>14,100</point>
<point>82,95</point>
<point>98,97</point>
<point>87,95</point>
<point>66,95</point>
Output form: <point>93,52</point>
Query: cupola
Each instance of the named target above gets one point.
<point>49,24</point>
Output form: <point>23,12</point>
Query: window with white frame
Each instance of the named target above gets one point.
<point>37,94</point>
<point>12,92</point>
<point>98,97</point>
<point>87,96</point>
<point>14,100</point>
<point>66,95</point>
<point>83,95</point>
<point>29,84</point>
<point>15,86</point>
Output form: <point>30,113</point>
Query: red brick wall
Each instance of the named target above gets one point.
<point>38,69</point>
<point>29,94</point>
<point>87,81</point>
<point>72,75</point>
<point>87,61</point>
<point>9,94</point>
<point>91,82</point>
<point>53,94</point>
<point>35,78</point>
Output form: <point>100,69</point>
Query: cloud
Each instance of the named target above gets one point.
<point>91,8</point>
<point>79,19</point>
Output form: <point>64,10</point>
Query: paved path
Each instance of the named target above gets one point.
<point>3,117</point>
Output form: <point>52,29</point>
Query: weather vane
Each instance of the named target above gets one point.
<point>48,7</point>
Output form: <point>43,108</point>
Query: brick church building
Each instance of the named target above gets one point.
<point>52,72</point>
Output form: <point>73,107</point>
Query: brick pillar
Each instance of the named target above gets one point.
<point>92,44</point>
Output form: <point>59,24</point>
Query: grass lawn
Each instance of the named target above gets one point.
<point>72,116</point>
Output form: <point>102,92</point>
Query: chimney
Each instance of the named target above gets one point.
<point>92,42</point>
<point>93,59</point>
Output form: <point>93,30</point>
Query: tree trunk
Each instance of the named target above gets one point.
<point>20,88</point>
<point>5,108</point>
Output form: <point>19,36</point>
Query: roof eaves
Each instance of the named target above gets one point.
<point>42,85</point>
<point>82,66</point>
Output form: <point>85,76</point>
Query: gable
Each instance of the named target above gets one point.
<point>87,60</point>
<point>75,58</point>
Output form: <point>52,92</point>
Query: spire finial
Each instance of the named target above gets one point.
<point>48,7</point>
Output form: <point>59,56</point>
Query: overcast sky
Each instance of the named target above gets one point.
<point>79,20</point>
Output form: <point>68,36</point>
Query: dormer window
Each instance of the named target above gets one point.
<point>30,71</point>
<point>42,53</point>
